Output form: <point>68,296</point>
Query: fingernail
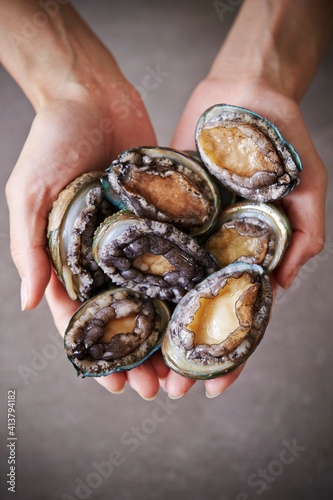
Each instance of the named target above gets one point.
<point>116,392</point>
<point>291,278</point>
<point>211,396</point>
<point>148,399</point>
<point>24,295</point>
<point>176,397</point>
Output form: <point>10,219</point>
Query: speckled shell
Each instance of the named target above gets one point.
<point>111,245</point>
<point>267,214</point>
<point>185,361</point>
<point>168,164</point>
<point>57,218</point>
<point>227,197</point>
<point>261,186</point>
<point>97,368</point>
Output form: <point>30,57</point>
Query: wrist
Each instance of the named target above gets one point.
<point>277,45</point>
<point>61,60</point>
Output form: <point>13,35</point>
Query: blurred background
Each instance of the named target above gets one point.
<point>269,436</point>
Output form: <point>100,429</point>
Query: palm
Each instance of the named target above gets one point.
<point>304,206</point>
<point>67,138</point>
<point>73,137</point>
<point>88,139</point>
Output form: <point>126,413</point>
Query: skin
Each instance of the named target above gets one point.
<point>266,64</point>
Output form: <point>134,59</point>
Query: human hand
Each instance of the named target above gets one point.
<point>304,206</point>
<point>266,64</point>
<point>87,113</point>
<point>69,137</point>
<point>268,51</point>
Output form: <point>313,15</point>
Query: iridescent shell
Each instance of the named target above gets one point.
<point>116,330</point>
<point>247,153</point>
<point>253,233</point>
<point>219,323</point>
<point>75,214</point>
<point>149,256</point>
<point>166,185</point>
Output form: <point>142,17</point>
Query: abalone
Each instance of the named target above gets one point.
<point>75,215</point>
<point>247,153</point>
<point>168,186</point>
<point>219,323</point>
<point>115,330</point>
<point>253,233</point>
<point>150,257</point>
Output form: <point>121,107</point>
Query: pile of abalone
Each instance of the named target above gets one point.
<point>162,229</point>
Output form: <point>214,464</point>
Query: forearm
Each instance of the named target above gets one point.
<point>52,53</point>
<point>276,42</point>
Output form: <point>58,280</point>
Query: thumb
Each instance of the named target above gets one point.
<point>305,208</point>
<point>28,238</point>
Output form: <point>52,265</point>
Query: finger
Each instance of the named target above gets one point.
<point>157,362</point>
<point>28,221</point>
<point>40,173</point>
<point>306,210</point>
<point>216,386</point>
<point>115,382</point>
<point>143,380</point>
<point>162,382</point>
<point>62,309</point>
<point>177,385</point>
<point>28,248</point>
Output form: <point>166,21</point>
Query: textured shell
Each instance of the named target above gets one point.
<point>98,368</point>
<point>61,204</point>
<point>181,360</point>
<point>269,215</point>
<point>227,197</point>
<point>133,176</point>
<point>192,262</point>
<point>111,195</point>
<point>57,216</point>
<point>275,189</point>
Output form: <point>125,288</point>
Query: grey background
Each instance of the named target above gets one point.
<point>203,449</point>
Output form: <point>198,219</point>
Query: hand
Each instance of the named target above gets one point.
<point>304,206</point>
<point>59,148</point>
<point>87,113</point>
<point>144,379</point>
<point>53,154</point>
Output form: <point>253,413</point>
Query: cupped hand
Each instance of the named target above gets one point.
<point>68,137</point>
<point>144,379</point>
<point>304,206</point>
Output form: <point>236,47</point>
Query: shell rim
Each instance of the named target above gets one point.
<point>189,370</point>
<point>254,194</point>
<point>200,169</point>
<point>278,217</point>
<point>164,310</point>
